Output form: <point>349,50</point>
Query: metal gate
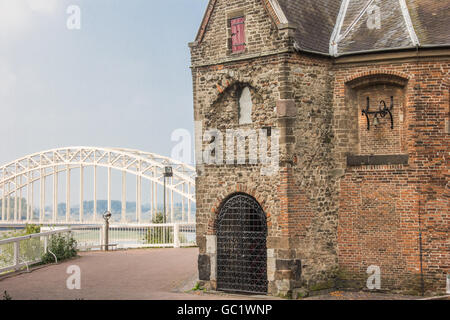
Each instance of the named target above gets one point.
<point>241,246</point>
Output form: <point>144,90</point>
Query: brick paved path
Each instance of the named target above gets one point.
<point>156,274</point>
<point>131,274</point>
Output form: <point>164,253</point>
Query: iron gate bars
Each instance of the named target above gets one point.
<point>241,246</point>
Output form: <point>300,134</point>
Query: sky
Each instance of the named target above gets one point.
<point>121,80</point>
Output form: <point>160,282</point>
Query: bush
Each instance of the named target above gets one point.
<point>163,235</point>
<point>29,249</point>
<point>13,233</point>
<point>32,228</point>
<point>63,247</point>
<point>158,218</point>
<point>6,296</point>
<point>158,235</point>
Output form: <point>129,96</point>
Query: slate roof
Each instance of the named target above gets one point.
<point>431,19</point>
<point>314,20</point>
<point>367,28</point>
<point>339,27</point>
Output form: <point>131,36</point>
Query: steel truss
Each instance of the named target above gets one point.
<point>21,175</point>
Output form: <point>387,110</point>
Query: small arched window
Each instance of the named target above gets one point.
<point>245,106</point>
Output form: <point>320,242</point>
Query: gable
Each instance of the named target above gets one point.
<point>338,27</point>
<point>215,38</point>
<point>205,20</point>
<point>273,9</point>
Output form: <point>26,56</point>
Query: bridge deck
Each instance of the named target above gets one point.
<point>132,274</point>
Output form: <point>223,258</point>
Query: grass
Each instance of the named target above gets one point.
<point>198,287</point>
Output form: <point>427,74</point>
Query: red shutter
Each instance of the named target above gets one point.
<point>238,34</point>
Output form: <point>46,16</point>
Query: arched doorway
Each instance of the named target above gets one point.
<point>241,246</point>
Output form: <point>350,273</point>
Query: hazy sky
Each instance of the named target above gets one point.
<point>122,80</point>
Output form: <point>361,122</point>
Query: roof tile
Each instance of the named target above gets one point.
<point>368,24</point>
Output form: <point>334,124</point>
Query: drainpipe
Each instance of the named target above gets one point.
<point>421,253</point>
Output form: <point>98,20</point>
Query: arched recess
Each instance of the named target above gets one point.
<point>241,230</point>
<point>225,104</point>
<point>245,106</point>
<point>382,139</point>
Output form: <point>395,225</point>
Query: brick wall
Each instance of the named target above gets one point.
<point>380,206</point>
<point>336,219</point>
<point>313,205</point>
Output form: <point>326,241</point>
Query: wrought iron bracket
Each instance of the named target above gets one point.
<point>382,112</point>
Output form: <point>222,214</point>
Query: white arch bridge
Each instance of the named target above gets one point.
<point>39,188</point>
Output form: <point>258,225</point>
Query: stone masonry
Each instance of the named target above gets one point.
<point>344,197</point>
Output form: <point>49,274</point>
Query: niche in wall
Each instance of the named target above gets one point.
<point>380,138</point>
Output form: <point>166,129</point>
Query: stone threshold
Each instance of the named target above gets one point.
<point>246,296</point>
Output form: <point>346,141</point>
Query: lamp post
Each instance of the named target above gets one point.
<point>168,172</point>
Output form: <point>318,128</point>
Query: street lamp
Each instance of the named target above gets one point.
<point>168,172</point>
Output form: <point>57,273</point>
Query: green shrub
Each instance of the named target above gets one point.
<point>32,228</point>
<point>29,250</point>
<point>158,218</point>
<point>197,287</point>
<point>161,235</point>
<point>6,296</point>
<point>29,229</point>
<point>62,246</point>
<point>158,235</point>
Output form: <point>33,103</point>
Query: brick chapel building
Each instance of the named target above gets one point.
<point>358,189</point>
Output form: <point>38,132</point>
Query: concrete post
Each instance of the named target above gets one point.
<point>106,234</point>
<point>106,217</point>
<point>16,254</point>
<point>46,244</point>
<point>176,237</point>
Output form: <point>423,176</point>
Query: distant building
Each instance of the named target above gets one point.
<point>355,187</point>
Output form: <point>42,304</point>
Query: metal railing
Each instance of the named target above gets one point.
<point>127,236</point>
<point>19,252</point>
<point>23,251</point>
<point>153,235</point>
<point>87,236</point>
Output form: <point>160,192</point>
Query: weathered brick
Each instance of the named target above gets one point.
<point>336,219</point>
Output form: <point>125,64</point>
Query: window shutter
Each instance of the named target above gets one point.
<point>238,34</point>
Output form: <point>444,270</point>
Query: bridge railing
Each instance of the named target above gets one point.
<point>19,252</point>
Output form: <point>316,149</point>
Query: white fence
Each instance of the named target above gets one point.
<point>136,236</point>
<point>19,252</point>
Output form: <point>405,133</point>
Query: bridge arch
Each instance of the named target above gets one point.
<point>23,173</point>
